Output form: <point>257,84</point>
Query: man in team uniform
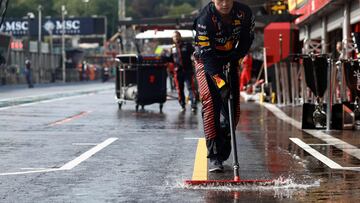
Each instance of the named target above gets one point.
<point>224,34</point>
<point>181,53</point>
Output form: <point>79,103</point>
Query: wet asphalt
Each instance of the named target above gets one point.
<point>153,152</point>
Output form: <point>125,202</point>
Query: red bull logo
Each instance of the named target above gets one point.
<point>152,79</point>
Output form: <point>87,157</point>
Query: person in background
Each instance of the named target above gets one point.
<point>339,51</point>
<point>105,72</point>
<point>181,54</point>
<point>170,69</point>
<point>245,77</point>
<point>339,55</point>
<point>224,34</point>
<point>80,70</point>
<point>85,70</point>
<point>28,73</point>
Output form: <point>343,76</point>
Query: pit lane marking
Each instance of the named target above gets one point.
<point>71,164</point>
<point>340,144</point>
<point>320,144</point>
<point>68,119</point>
<point>44,101</point>
<point>29,172</point>
<point>33,168</point>
<point>330,163</point>
<point>84,144</point>
<point>324,159</point>
<point>200,171</point>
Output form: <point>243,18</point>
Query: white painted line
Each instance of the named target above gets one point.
<point>84,144</point>
<point>338,143</point>
<point>29,172</point>
<point>330,163</point>
<point>281,115</point>
<point>44,101</point>
<point>71,164</point>
<point>344,146</point>
<point>192,138</point>
<point>90,91</point>
<point>320,144</point>
<point>34,169</point>
<point>351,168</point>
<point>68,166</point>
<point>53,100</point>
<point>327,161</point>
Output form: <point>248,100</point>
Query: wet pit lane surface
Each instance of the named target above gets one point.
<point>154,153</point>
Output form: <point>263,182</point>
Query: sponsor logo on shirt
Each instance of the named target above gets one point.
<point>201,26</point>
<point>203,38</point>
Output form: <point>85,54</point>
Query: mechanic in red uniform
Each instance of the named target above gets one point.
<point>246,71</point>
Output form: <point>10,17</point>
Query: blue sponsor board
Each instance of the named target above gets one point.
<point>72,26</point>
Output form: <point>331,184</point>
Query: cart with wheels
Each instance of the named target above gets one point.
<point>125,77</point>
<point>141,79</point>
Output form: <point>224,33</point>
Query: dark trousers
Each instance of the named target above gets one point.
<point>29,78</point>
<point>215,112</point>
<point>182,78</point>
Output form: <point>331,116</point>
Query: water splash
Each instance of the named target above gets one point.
<point>280,187</point>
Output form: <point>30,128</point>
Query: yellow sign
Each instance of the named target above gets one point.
<point>278,8</point>
<point>294,4</point>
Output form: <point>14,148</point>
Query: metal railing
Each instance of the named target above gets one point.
<point>290,86</point>
<point>45,71</point>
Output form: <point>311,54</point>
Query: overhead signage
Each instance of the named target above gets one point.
<point>55,26</point>
<point>15,27</point>
<point>305,8</point>
<point>279,7</point>
<point>296,4</point>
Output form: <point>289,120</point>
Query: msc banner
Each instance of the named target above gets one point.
<point>55,26</point>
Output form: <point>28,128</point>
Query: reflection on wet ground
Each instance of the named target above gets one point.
<point>336,185</point>
<point>265,152</point>
<point>148,119</point>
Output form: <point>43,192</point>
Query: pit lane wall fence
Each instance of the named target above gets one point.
<point>13,72</point>
<point>328,90</point>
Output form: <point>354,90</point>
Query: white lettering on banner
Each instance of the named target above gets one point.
<point>69,25</point>
<point>72,26</point>
<point>76,24</point>
<point>58,25</point>
<point>14,26</point>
